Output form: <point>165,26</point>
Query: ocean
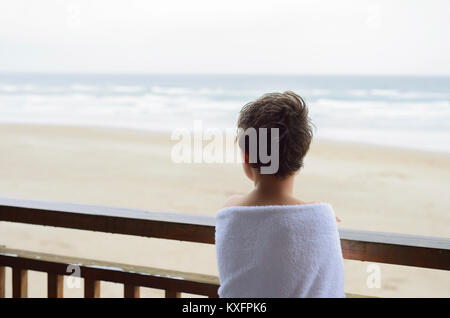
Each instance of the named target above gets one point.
<point>407,112</point>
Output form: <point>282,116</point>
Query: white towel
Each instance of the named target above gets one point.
<point>279,251</point>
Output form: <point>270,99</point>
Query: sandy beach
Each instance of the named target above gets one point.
<point>370,187</point>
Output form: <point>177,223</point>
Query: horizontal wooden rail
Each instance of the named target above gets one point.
<point>132,277</point>
<point>93,271</point>
<point>391,248</point>
<point>165,225</point>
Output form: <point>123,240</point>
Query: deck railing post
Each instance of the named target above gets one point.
<point>91,288</point>
<point>55,285</point>
<point>2,282</point>
<point>172,294</point>
<point>131,291</point>
<point>20,282</point>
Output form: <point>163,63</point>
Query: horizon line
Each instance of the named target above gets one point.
<point>132,73</point>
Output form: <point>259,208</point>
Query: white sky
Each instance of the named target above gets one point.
<point>228,36</point>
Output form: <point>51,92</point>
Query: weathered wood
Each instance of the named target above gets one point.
<point>192,283</point>
<point>396,254</point>
<point>131,291</point>
<point>165,225</point>
<point>172,294</point>
<point>395,239</point>
<point>120,273</point>
<point>2,281</point>
<point>392,248</point>
<point>20,282</point>
<point>395,248</point>
<point>55,285</point>
<point>91,288</point>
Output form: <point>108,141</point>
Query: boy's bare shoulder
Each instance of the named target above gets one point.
<point>310,202</point>
<point>247,200</point>
<point>234,200</point>
<point>295,201</point>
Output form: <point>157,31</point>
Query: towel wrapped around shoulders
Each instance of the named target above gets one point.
<point>279,251</point>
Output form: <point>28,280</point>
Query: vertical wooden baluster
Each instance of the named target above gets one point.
<point>131,291</point>
<point>91,288</point>
<point>215,295</point>
<point>55,285</point>
<point>172,294</point>
<point>20,282</point>
<point>2,281</point>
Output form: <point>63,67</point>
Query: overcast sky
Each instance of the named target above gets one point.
<point>227,36</point>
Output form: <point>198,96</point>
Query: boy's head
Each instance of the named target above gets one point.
<point>286,111</point>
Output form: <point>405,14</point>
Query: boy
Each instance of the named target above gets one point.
<point>269,243</point>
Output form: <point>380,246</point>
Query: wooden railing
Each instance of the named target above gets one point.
<point>409,250</point>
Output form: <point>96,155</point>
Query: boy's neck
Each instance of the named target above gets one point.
<point>274,185</point>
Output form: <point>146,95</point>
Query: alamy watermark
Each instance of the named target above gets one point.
<point>74,279</point>
<point>213,145</point>
<point>73,16</point>
<point>374,16</point>
<point>374,278</point>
